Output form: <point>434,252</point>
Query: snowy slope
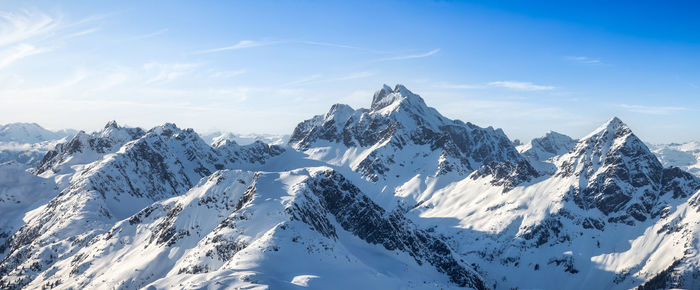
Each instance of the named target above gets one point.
<point>305,227</point>
<point>606,192</point>
<point>21,196</point>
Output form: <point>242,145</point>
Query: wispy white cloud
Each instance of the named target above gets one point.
<point>446,85</point>
<point>25,33</point>
<point>318,78</point>
<point>584,60</point>
<point>17,30</point>
<point>227,74</point>
<point>168,72</point>
<point>17,52</point>
<point>521,86</point>
<point>412,56</point>
<point>21,26</point>
<point>304,80</point>
<point>328,44</point>
<point>82,32</point>
<point>239,45</point>
<point>353,76</point>
<point>653,110</point>
<point>150,35</point>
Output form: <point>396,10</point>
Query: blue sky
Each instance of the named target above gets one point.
<point>258,66</point>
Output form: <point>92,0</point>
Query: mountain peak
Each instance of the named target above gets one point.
<point>548,146</point>
<point>165,129</point>
<point>387,97</point>
<point>614,125</point>
<point>112,124</point>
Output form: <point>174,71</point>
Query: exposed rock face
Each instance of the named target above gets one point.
<point>357,214</point>
<point>620,176</point>
<point>397,123</point>
<point>506,174</point>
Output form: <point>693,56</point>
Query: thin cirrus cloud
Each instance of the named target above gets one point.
<point>239,45</point>
<point>22,26</point>
<point>521,86</point>
<point>511,85</point>
<point>446,85</point>
<point>18,31</point>
<point>27,33</point>
<point>17,52</point>
<point>169,72</point>
<point>584,60</point>
<point>412,56</point>
<point>255,43</point>
<point>318,78</point>
<point>150,35</point>
<point>653,110</point>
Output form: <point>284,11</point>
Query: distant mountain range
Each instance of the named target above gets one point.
<point>684,155</point>
<point>245,139</point>
<point>27,143</point>
<point>392,196</point>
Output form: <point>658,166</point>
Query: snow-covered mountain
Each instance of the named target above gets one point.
<point>394,196</point>
<point>544,148</point>
<point>245,139</point>
<point>400,139</point>
<point>27,133</point>
<point>684,155</point>
<point>540,151</point>
<point>27,143</point>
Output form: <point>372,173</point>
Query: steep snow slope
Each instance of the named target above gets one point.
<point>685,155</point>
<point>21,196</point>
<point>545,234</point>
<point>665,256</point>
<point>308,227</point>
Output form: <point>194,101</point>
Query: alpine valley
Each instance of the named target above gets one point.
<point>396,196</point>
